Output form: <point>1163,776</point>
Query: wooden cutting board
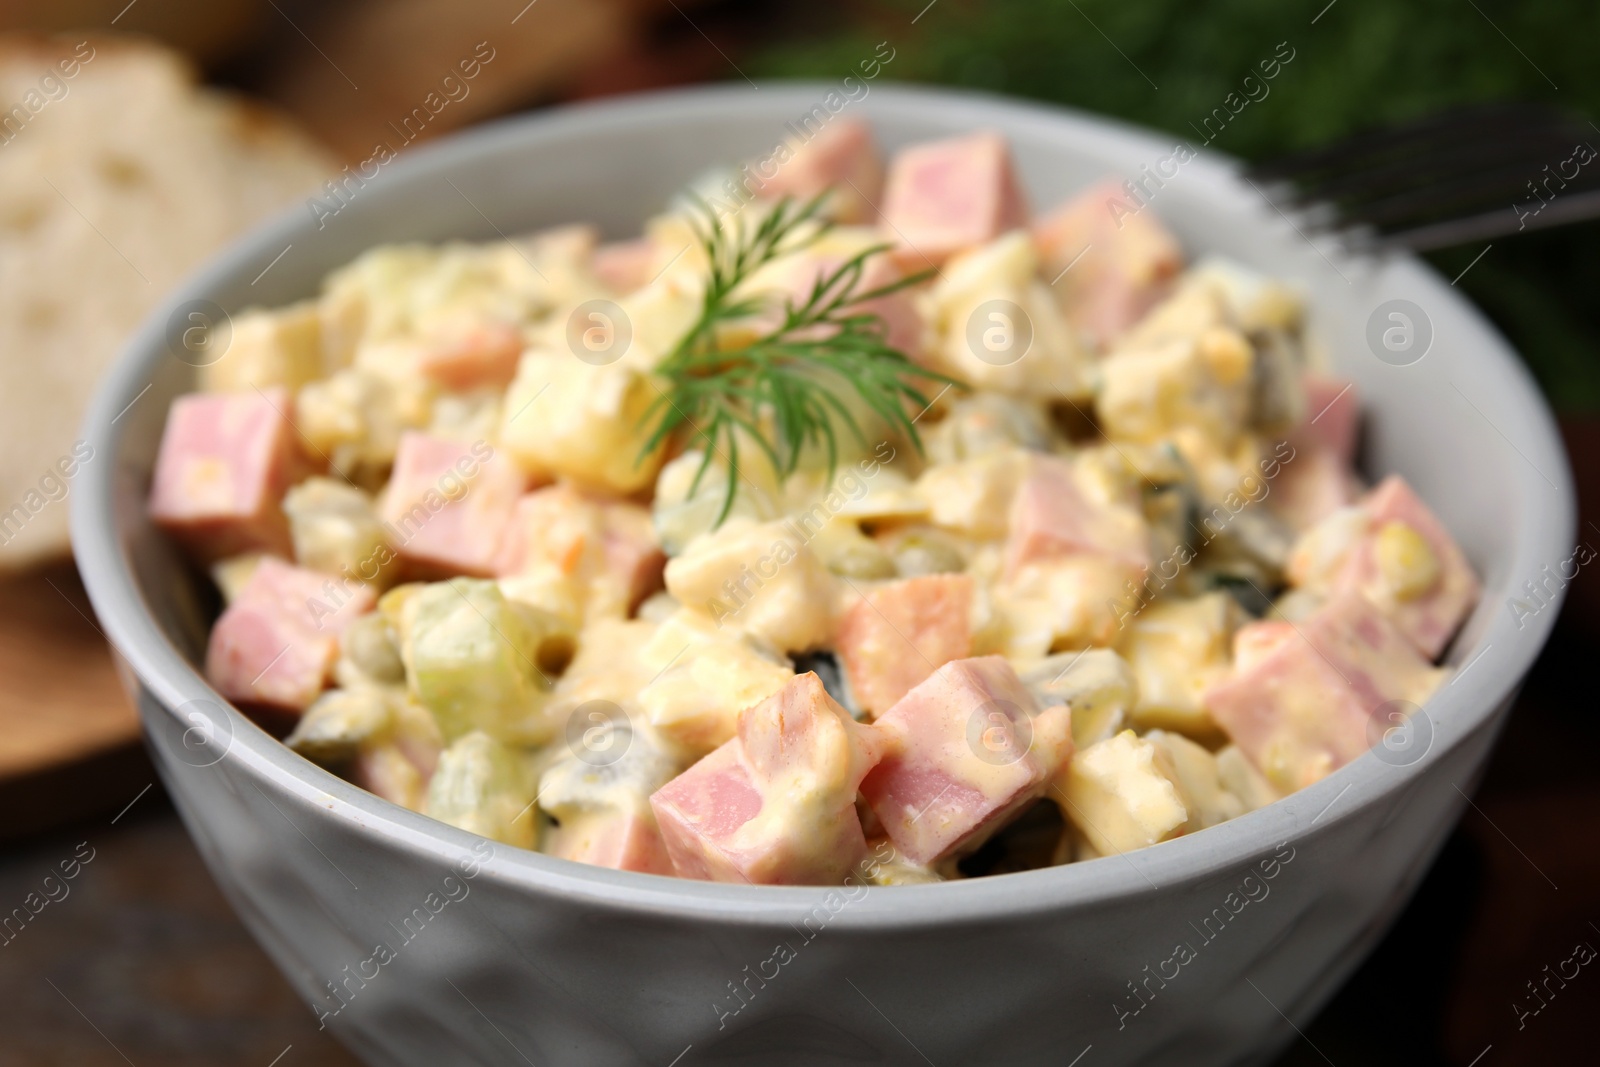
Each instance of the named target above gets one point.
<point>60,700</point>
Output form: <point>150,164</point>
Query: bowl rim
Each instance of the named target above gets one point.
<point>166,675</point>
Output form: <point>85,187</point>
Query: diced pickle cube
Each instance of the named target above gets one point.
<point>484,787</point>
<point>586,422</point>
<point>471,660</point>
<point>335,529</point>
<point>341,722</point>
<point>1095,683</point>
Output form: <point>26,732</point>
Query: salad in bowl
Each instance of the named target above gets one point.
<point>853,517</point>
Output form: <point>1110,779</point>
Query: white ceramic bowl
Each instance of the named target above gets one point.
<point>533,959</point>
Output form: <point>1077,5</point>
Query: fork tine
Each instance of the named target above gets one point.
<point>1460,172</point>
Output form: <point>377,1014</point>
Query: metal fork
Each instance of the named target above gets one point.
<point>1464,175</point>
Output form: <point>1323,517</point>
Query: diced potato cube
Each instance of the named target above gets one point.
<point>607,549</point>
<point>1000,328</point>
<point>974,497</point>
<point>384,770</point>
<point>484,787</point>
<point>267,349</point>
<point>1068,602</point>
<point>355,418</point>
<point>1199,779</point>
<point>760,578</point>
<point>1122,793</point>
<point>1178,648</point>
<point>1150,390</point>
<point>680,516</point>
<point>588,423</point>
<point>232,574</point>
<point>695,703</point>
<point>1242,778</point>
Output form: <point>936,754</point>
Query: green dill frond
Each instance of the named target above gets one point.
<point>784,391</point>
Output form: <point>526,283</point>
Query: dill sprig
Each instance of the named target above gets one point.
<point>783,389</point>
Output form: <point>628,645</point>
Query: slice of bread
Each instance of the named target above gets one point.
<point>118,176</point>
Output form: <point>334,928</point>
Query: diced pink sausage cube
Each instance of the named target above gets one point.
<point>1312,486</point>
<point>625,266</point>
<point>470,355</point>
<point>1254,641</point>
<point>275,645</point>
<point>620,839</point>
<point>967,750</point>
<point>447,504</point>
<point>898,634</point>
<point>776,804</point>
<point>1319,478</point>
<point>585,538</point>
<point>1333,416</point>
<point>1428,618</point>
<point>1051,516</point>
<point>1301,700</point>
<point>842,156</point>
<point>944,196</point>
<point>1122,260</point>
<point>902,322</point>
<point>226,460</point>
<point>555,524</point>
<point>631,551</point>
